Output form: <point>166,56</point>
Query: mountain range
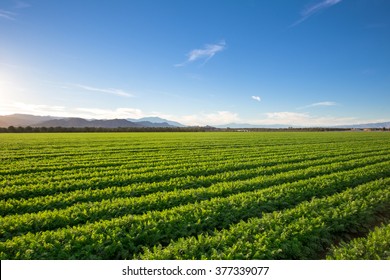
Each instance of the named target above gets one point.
<point>353,126</point>
<point>49,121</point>
<point>157,120</point>
<point>366,125</point>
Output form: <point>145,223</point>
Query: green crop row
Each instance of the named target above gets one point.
<point>376,246</point>
<point>62,200</point>
<point>145,158</point>
<point>194,195</point>
<point>303,232</point>
<point>72,170</point>
<point>122,237</point>
<point>111,208</point>
<point>122,176</point>
<point>108,155</point>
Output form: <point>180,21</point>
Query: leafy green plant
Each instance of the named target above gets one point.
<point>190,195</point>
<point>376,246</point>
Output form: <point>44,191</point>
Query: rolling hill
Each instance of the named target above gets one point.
<point>48,121</point>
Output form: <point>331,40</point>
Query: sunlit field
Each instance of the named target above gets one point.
<point>222,195</point>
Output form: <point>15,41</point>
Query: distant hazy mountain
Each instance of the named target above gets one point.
<point>22,120</point>
<point>357,126</point>
<point>157,120</point>
<point>367,125</point>
<point>78,122</point>
<point>48,121</point>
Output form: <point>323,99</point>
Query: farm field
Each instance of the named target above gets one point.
<point>215,195</point>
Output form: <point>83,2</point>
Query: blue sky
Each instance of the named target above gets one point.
<point>301,62</point>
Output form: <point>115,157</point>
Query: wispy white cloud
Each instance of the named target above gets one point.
<point>282,117</point>
<point>118,113</point>
<point>257,98</point>
<point>318,7</point>
<point>10,14</point>
<point>314,9</point>
<point>63,111</point>
<point>202,118</point>
<point>113,91</point>
<point>270,118</point>
<point>214,118</point>
<point>320,104</point>
<point>34,109</point>
<point>325,103</point>
<point>7,15</point>
<point>306,120</point>
<point>204,54</point>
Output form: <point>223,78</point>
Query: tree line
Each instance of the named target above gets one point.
<point>29,129</point>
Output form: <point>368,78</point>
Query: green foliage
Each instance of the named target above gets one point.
<point>298,233</point>
<point>376,246</point>
<point>190,195</point>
